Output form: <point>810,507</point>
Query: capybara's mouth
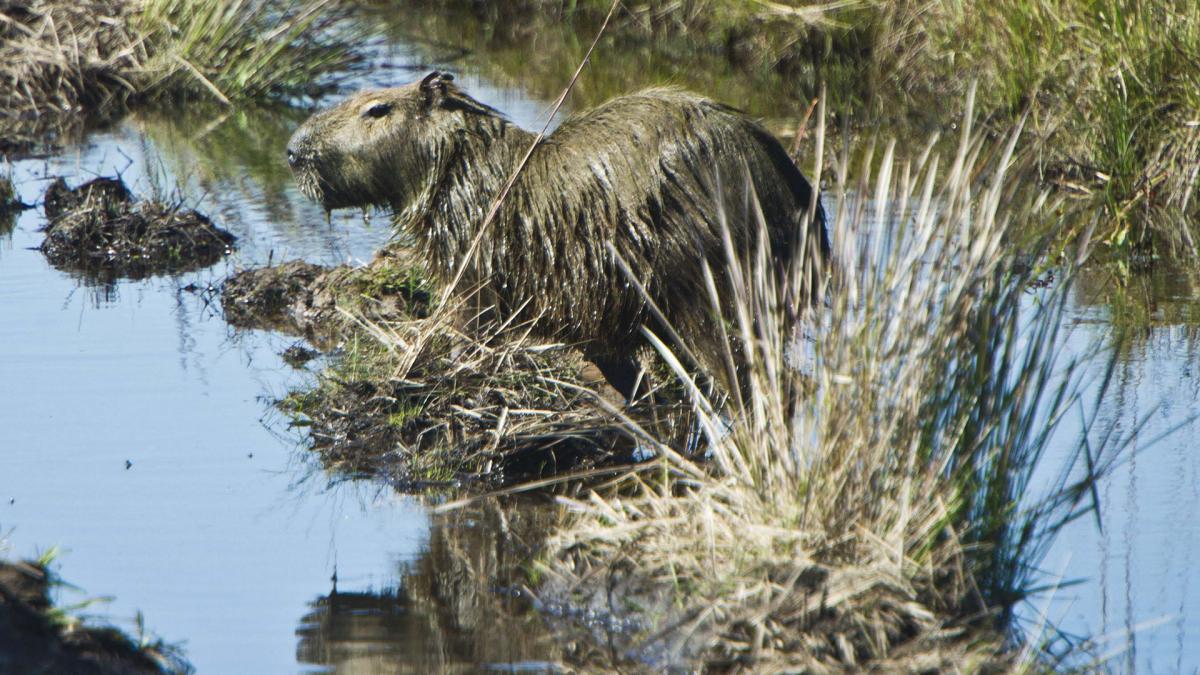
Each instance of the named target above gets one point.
<point>309,184</point>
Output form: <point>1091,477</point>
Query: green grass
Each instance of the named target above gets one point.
<point>59,59</point>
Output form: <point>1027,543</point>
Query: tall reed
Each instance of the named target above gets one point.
<point>867,497</point>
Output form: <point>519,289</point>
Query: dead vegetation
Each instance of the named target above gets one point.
<point>100,231</point>
<point>423,403</point>
<point>67,63</point>
<point>60,60</point>
<point>419,397</point>
<point>872,508</point>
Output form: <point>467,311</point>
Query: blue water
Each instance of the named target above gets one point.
<point>136,430</point>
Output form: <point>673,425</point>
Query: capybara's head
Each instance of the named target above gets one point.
<point>381,147</point>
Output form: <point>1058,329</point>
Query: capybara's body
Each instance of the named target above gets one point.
<point>650,176</point>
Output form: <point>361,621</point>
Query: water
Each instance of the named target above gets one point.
<point>136,432</point>
<point>1137,595</point>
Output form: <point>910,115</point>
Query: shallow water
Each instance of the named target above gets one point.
<point>1137,596</point>
<point>136,430</point>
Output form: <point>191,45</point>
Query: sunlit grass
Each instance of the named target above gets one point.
<point>62,63</point>
<point>245,49</point>
<point>867,498</point>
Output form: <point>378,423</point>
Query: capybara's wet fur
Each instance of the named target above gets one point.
<point>650,175</point>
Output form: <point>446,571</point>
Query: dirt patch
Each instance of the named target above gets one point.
<point>35,637</point>
<point>99,230</point>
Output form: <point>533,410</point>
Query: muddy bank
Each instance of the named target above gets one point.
<point>37,637</point>
<point>100,231</point>
<point>414,397</point>
<point>311,301</point>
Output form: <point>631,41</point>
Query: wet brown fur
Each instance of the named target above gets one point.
<point>648,173</point>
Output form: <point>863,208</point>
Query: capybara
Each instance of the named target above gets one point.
<point>651,176</point>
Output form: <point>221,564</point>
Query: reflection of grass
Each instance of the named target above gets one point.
<point>222,147</point>
<point>1137,307</point>
<point>872,508</point>
<point>10,205</point>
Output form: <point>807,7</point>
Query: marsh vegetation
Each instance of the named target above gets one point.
<point>878,489</point>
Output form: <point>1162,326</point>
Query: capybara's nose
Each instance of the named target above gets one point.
<point>295,146</point>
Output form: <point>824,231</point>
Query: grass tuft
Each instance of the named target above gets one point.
<point>63,62</point>
<point>867,500</point>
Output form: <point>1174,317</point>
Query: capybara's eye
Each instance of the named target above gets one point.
<point>377,110</point>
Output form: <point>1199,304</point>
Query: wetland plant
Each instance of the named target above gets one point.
<point>867,496</point>
<point>59,59</point>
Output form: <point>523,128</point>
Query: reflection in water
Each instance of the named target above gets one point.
<point>453,610</point>
<point>1137,597</point>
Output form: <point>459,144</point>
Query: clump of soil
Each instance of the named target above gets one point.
<point>304,299</point>
<point>429,405</point>
<point>37,638</point>
<point>413,396</point>
<point>98,229</point>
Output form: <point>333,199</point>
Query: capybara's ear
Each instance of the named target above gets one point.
<point>433,87</point>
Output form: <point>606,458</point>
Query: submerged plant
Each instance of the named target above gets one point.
<point>866,494</point>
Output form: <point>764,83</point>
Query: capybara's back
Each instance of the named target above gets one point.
<point>658,178</point>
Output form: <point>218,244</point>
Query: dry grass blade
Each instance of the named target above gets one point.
<point>867,500</point>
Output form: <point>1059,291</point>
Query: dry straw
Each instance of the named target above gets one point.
<point>867,498</point>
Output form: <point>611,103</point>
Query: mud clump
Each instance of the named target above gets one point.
<point>99,230</point>
<point>304,299</point>
<point>35,638</point>
<point>454,410</point>
<point>413,399</point>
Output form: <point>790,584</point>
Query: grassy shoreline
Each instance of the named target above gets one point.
<point>68,64</point>
<point>885,520</point>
